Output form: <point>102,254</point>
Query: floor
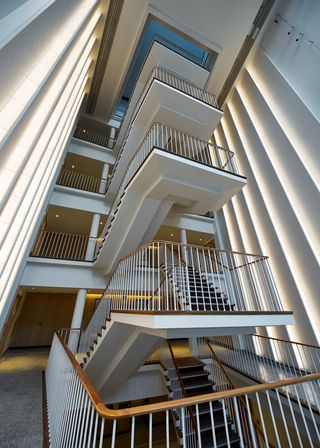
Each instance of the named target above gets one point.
<point>21,398</point>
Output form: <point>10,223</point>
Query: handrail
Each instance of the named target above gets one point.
<point>289,341</point>
<point>111,414</point>
<point>80,181</point>
<point>97,138</point>
<point>193,420</point>
<point>181,51</point>
<point>244,404</point>
<point>169,78</point>
<point>60,245</point>
<point>173,141</point>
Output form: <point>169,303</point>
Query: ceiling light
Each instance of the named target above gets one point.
<point>171,234</point>
<point>100,222</point>
<point>72,166</point>
<point>57,216</point>
<point>200,239</point>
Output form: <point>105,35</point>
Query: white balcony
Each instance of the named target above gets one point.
<point>169,168</point>
<point>170,100</point>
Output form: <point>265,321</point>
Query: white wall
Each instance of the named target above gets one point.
<point>271,123</point>
<point>50,64</point>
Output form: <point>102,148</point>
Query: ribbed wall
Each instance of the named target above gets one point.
<point>275,138</point>
<point>36,121</point>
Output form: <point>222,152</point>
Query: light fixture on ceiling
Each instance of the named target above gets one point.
<point>171,234</point>
<point>57,216</point>
<point>200,239</point>
<point>72,166</point>
<point>291,31</point>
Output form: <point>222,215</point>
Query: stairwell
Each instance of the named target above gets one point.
<point>188,377</point>
<point>195,291</point>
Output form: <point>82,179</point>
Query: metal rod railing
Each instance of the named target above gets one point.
<point>171,79</point>
<point>98,138</point>
<point>166,276</point>
<point>97,323</point>
<point>201,61</point>
<point>176,142</point>
<point>81,181</point>
<point>193,428</point>
<point>224,382</point>
<point>77,416</point>
<point>267,359</point>
<point>63,246</point>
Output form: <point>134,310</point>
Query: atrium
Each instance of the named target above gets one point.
<point>159,255</point>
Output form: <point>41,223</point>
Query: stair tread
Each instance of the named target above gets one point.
<point>189,361</point>
<point>187,375</point>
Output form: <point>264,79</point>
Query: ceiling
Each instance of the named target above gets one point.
<point>221,25</point>
<point>168,233</point>
<point>83,165</point>
<point>69,220</point>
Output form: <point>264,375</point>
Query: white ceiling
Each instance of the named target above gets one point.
<point>218,24</point>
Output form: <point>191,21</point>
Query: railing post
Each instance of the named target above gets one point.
<point>111,137</point>
<point>93,237</point>
<point>104,178</point>
<point>77,320</point>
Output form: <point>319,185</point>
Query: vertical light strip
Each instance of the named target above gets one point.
<point>307,227</point>
<point>8,278</point>
<point>27,205</point>
<point>13,203</point>
<point>20,152</point>
<point>270,210</point>
<point>15,107</point>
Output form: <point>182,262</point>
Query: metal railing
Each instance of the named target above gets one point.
<point>176,142</point>
<point>78,417</point>
<point>98,138</point>
<point>178,391</point>
<point>175,81</point>
<point>97,323</point>
<point>171,79</point>
<point>80,181</point>
<point>266,359</point>
<point>62,246</point>
<point>223,381</point>
<point>170,276</point>
<point>201,61</point>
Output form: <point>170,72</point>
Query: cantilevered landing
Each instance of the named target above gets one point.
<point>131,337</point>
<point>170,106</point>
<point>163,179</point>
<point>160,55</point>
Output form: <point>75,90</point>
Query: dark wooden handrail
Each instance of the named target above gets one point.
<point>286,340</point>
<point>193,420</point>
<point>111,414</point>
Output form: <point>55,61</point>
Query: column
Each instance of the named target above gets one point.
<point>183,240</point>
<point>104,178</point>
<point>111,137</point>
<point>92,237</point>
<point>77,319</point>
<point>193,346</point>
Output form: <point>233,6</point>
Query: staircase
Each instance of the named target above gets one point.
<point>194,290</point>
<point>195,381</point>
